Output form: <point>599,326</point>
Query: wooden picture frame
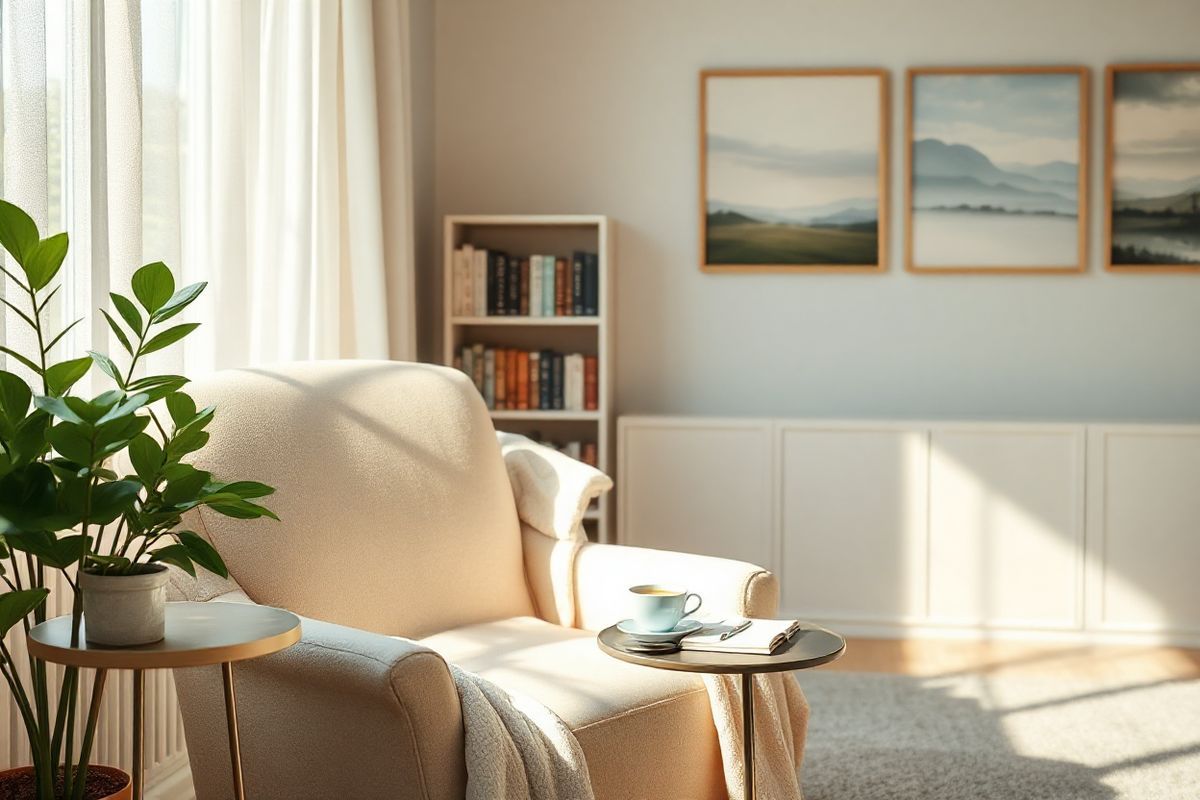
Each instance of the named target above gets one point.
<point>1026,214</point>
<point>845,228</point>
<point>1150,188</point>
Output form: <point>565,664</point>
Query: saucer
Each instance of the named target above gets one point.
<point>681,629</point>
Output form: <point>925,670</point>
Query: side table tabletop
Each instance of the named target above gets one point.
<point>811,646</point>
<point>197,635</point>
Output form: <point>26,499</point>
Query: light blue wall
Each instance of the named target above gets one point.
<point>570,106</point>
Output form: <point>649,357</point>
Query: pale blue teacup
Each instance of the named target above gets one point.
<point>658,608</point>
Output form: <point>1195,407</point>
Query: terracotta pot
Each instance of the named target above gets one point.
<point>125,610</point>
<point>124,793</point>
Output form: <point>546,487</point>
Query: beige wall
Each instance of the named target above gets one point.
<point>572,106</point>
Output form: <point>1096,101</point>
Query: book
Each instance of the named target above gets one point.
<point>522,381</point>
<point>545,383</point>
<point>556,381</point>
<point>560,287</point>
<point>478,362</point>
<point>547,286</point>
<point>512,303</point>
<point>511,373</point>
<point>535,378</point>
<point>500,381</point>
<point>761,637</point>
<point>535,286</point>
<point>576,288</point>
<point>479,283</point>
<point>591,284</point>
<point>467,360</point>
<point>523,299</point>
<point>590,455</point>
<point>500,282</point>
<point>591,383</point>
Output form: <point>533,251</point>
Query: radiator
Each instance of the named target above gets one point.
<point>165,751</point>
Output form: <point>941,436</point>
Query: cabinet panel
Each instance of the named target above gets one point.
<point>1145,538</point>
<point>1006,527</point>
<point>702,488</point>
<point>853,523</point>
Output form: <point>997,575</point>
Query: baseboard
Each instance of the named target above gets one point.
<point>977,634</point>
<point>172,781</point>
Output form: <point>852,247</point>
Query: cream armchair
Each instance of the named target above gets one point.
<point>401,547</point>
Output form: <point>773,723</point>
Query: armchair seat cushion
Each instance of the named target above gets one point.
<point>645,732</point>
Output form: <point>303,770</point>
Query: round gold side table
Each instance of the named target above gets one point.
<point>197,635</point>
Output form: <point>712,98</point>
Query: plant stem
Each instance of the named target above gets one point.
<point>89,733</point>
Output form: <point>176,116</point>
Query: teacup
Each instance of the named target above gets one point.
<point>658,608</point>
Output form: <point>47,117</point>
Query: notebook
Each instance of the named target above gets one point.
<point>760,637</point>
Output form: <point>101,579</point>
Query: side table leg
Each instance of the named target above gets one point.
<point>235,747</point>
<point>748,735</point>
<point>139,728</point>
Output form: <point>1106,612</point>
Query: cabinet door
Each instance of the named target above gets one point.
<point>698,486</point>
<point>1006,526</point>
<point>1144,529</point>
<point>853,523</point>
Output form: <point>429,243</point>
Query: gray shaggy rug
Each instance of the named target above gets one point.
<point>982,737</point>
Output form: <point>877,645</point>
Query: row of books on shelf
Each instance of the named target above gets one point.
<point>578,450</point>
<point>532,380</point>
<point>493,283</point>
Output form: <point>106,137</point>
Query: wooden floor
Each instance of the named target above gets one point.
<point>932,657</point>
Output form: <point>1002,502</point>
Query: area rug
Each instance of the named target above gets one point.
<point>977,737</point>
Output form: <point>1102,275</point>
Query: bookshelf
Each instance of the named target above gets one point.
<point>523,236</point>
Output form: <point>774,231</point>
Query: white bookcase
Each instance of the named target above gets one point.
<point>524,235</point>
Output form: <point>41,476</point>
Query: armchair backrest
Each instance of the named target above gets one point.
<point>397,515</point>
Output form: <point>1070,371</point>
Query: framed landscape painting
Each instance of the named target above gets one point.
<point>1152,175</point>
<point>793,170</point>
<point>996,170</point>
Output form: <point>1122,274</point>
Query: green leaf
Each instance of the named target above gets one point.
<point>169,337</point>
<point>186,487</point>
<point>152,381</point>
<point>182,408</point>
<point>153,286</point>
<point>49,549</point>
<point>178,302</point>
<point>128,312</point>
<point>110,500</point>
<point>243,509</point>
<point>18,231</point>
<point>14,397</point>
<point>120,334</point>
<point>107,366</point>
<point>70,440</point>
<point>123,409</point>
<point>61,334</point>
<point>15,606</point>
<point>20,313</point>
<point>29,442</point>
<point>176,555</point>
<point>188,442</point>
<point>58,407</point>
<point>203,553</point>
<point>155,393</point>
<point>110,565</point>
<point>43,260</point>
<point>10,352</point>
<point>146,456</point>
<point>248,489</point>
<point>64,375</point>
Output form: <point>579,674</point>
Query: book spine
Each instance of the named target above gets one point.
<point>489,377</point>
<point>468,274</point>
<point>479,283</point>
<point>467,360</point>
<point>456,282</point>
<point>535,286</point>
<point>494,293</point>
<point>591,456</point>
<point>477,360</point>
<point>547,286</point>
<point>523,381</point>
<point>591,284</point>
<point>535,378</point>
<point>501,265</point>
<point>560,287</point>
<point>573,449</point>
<point>556,382</point>
<point>545,388</point>
<point>523,300</point>
<point>511,378</point>
<point>591,383</point>
<point>577,284</point>
<point>577,382</point>
<point>501,390</point>
<point>513,302</point>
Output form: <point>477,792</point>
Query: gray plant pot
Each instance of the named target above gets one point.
<point>125,610</point>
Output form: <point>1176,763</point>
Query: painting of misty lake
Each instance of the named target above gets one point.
<point>995,172</point>
<point>791,167</point>
<point>1154,173</point>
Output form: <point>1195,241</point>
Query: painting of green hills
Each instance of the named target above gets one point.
<point>791,169</point>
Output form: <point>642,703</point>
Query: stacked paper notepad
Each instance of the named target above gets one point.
<point>761,637</point>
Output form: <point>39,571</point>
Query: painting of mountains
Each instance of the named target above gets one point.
<point>996,166</point>
<point>792,169</point>
<point>1154,167</point>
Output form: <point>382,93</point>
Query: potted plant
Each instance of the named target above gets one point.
<point>65,506</point>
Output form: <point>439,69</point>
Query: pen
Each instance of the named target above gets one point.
<point>735,630</point>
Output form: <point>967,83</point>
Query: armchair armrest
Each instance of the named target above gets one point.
<point>603,574</point>
<point>342,707</point>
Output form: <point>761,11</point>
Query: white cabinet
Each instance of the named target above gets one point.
<point>853,511</point>
<point>1064,530</point>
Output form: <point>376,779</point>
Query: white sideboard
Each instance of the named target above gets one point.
<point>1071,531</point>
